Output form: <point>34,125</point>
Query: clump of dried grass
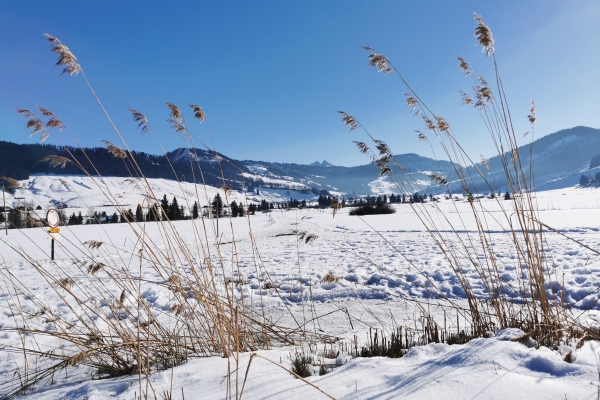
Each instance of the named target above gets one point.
<point>330,278</point>
<point>542,315</point>
<point>116,330</point>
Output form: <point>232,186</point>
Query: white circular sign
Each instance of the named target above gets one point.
<point>52,218</point>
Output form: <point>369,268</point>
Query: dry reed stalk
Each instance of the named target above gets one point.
<point>543,315</point>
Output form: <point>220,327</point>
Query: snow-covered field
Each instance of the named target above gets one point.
<point>373,262</point>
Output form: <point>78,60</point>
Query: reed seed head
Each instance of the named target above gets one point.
<point>482,80</point>
<point>442,124</point>
<point>531,117</point>
<point>45,112</point>
<point>464,66</point>
<point>429,124</point>
<point>51,39</point>
<point>12,183</point>
<point>362,147</point>
<point>56,161</point>
<point>336,205</point>
<point>422,136</point>
<point>484,162</point>
<point>176,125</point>
<point>36,124</point>
<point>93,244</point>
<point>198,112</point>
<point>55,123</point>
<point>64,283</point>
<point>466,100</point>
<point>385,170</point>
<point>382,147</point>
<point>139,118</point>
<point>379,61</point>
<point>483,95</point>
<point>439,179</point>
<point>411,101</point>
<point>25,113</point>
<point>95,267</point>
<point>349,120</point>
<point>175,112</point>
<point>483,35</point>
<point>114,150</point>
<point>65,56</point>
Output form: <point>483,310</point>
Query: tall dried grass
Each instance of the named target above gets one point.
<point>528,304</point>
<point>111,326</point>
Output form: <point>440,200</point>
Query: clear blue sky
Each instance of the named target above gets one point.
<point>271,74</point>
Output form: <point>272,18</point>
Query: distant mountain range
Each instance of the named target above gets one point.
<point>554,156</point>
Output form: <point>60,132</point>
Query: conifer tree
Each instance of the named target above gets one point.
<point>195,210</point>
<point>139,214</point>
<point>234,209</point>
<point>164,205</point>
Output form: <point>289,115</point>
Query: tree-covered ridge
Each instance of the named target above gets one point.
<point>19,161</point>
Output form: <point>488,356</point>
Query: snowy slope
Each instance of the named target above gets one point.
<point>374,279</point>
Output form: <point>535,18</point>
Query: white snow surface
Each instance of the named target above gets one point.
<point>372,257</point>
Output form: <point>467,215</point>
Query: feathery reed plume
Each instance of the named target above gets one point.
<point>198,112</point>
<point>367,48</point>
<point>482,80</point>
<point>439,179</point>
<point>483,35</point>
<point>78,358</point>
<point>93,244</point>
<point>226,189</point>
<point>484,162</point>
<point>305,236</point>
<point>175,112</point>
<point>56,161</point>
<point>464,66</point>
<point>45,112</point>
<point>349,120</point>
<point>176,125</point>
<point>12,183</point>
<point>122,297</point>
<point>64,283</point>
<point>95,267</point>
<point>526,133</point>
<point>51,39</point>
<point>382,147</point>
<point>483,94</point>
<point>442,124</point>
<point>385,170</point>
<point>45,136</point>
<point>411,101</point>
<point>336,205</point>
<point>379,61</point>
<point>65,57</point>
<point>466,100</point>
<point>55,123</point>
<point>116,152</point>
<point>422,136</point>
<point>362,147</point>
<point>531,117</point>
<point>429,124</point>
<point>25,113</point>
<point>140,118</point>
<point>36,124</point>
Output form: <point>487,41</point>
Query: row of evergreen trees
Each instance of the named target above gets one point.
<point>590,181</point>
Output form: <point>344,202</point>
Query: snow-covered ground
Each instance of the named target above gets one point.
<point>380,262</point>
